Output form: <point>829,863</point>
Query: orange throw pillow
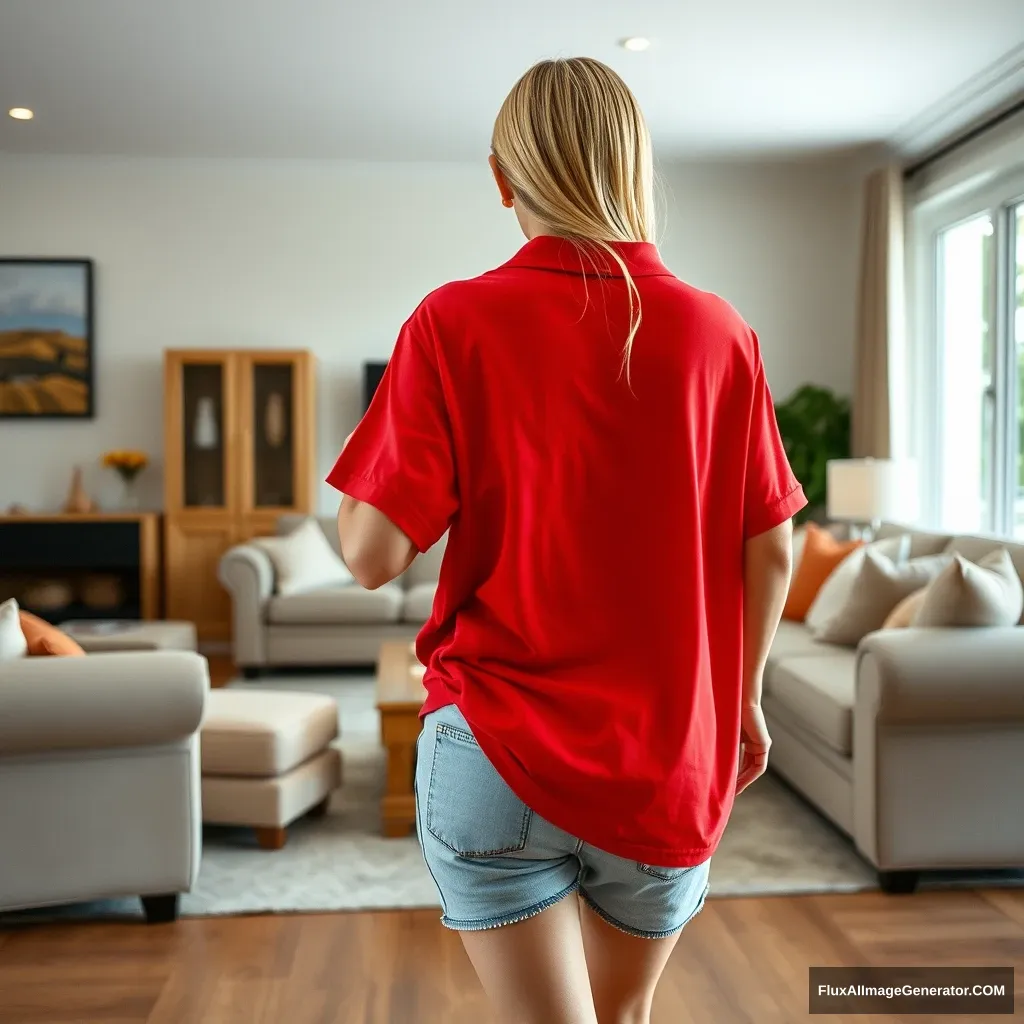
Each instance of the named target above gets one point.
<point>822,553</point>
<point>42,638</point>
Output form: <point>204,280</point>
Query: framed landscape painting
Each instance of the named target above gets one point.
<point>46,339</point>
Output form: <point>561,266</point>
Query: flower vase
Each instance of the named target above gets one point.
<point>129,494</point>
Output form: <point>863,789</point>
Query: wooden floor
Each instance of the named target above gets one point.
<point>741,960</point>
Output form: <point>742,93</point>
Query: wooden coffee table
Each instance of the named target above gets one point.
<point>400,696</point>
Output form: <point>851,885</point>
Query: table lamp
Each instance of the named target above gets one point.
<point>868,492</point>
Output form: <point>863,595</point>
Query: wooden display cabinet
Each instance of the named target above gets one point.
<point>239,451</point>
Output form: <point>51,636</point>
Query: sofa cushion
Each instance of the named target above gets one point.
<point>821,554</point>
<point>418,602</point>
<point>880,586</point>
<point>45,639</point>
<point>291,521</point>
<point>986,594</point>
<point>974,549</point>
<point>838,590</point>
<point>903,615</point>
<point>338,606</point>
<point>264,733</point>
<point>304,560</point>
<point>922,543</point>
<point>819,692</point>
<point>12,639</point>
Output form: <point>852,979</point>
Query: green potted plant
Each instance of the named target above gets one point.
<point>815,426</point>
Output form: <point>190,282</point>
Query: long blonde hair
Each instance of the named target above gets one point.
<point>573,144</point>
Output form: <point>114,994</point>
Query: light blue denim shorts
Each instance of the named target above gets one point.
<point>496,862</point>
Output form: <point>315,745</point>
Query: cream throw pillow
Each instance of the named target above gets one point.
<point>986,594</point>
<point>902,616</point>
<point>880,586</point>
<point>12,640</point>
<point>304,560</point>
<point>836,590</point>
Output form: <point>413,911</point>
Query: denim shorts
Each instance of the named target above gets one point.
<point>496,862</point>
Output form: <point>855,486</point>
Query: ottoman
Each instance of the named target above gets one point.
<point>267,760</point>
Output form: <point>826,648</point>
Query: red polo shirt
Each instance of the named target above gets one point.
<point>588,617</point>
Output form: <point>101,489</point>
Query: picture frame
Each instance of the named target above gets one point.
<point>47,339</point>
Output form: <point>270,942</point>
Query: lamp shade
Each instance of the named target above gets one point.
<point>872,490</point>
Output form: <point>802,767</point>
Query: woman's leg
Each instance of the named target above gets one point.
<point>535,971</point>
<point>624,970</point>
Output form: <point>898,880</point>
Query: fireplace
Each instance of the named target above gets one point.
<point>64,567</point>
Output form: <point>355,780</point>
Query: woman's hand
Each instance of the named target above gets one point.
<point>756,741</point>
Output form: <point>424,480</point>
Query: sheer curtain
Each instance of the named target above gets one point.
<point>880,317</point>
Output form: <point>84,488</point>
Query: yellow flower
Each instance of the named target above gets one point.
<point>127,462</point>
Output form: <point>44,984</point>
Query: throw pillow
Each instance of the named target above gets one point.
<point>12,640</point>
<point>986,594</point>
<point>44,639</point>
<point>304,560</point>
<point>880,586</point>
<point>902,616</point>
<point>821,554</point>
<point>836,590</point>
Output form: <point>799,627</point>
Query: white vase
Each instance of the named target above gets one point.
<point>129,494</point>
<point>273,421</point>
<point>204,431</point>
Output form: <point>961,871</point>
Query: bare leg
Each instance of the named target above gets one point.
<point>624,970</point>
<point>535,971</point>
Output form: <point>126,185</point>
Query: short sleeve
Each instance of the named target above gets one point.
<point>400,457</point>
<point>772,494</point>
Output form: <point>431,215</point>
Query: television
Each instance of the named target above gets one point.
<point>372,374</point>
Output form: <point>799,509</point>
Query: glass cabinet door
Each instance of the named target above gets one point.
<point>273,435</point>
<point>204,472</point>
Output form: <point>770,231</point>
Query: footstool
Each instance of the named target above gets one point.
<point>267,760</point>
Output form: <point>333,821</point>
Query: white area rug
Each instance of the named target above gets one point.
<point>775,843</point>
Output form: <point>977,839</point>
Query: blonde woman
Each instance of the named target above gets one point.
<point>598,440</point>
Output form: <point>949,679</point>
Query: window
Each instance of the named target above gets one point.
<point>968,374</point>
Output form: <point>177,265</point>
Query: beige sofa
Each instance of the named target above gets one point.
<point>337,625</point>
<point>914,743</point>
<point>99,779</point>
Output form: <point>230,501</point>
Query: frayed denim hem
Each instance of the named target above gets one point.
<point>639,933</point>
<point>501,922</point>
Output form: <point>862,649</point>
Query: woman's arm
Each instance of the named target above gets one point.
<point>375,550</point>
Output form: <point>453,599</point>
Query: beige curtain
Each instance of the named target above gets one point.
<point>880,313</point>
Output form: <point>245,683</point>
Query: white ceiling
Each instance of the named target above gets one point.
<point>422,79</point>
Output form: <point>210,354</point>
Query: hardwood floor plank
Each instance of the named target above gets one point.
<point>742,961</point>
<point>1008,901</point>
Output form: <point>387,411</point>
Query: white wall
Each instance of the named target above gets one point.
<point>333,257</point>
<point>781,243</point>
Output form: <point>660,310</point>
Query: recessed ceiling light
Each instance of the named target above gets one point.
<point>21,113</point>
<point>636,44</point>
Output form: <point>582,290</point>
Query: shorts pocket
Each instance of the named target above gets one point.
<point>469,806</point>
<point>664,874</point>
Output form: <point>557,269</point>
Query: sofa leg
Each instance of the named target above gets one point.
<point>271,838</point>
<point>898,882</point>
<point>160,909</point>
<point>252,671</point>
<point>320,809</point>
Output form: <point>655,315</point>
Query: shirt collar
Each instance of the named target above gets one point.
<point>548,252</point>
